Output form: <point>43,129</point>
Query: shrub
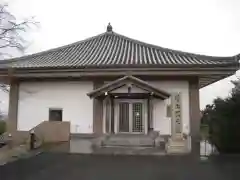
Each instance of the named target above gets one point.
<point>224,124</point>
<point>2,127</point>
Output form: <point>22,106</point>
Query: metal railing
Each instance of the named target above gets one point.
<point>206,148</point>
<point>1,138</point>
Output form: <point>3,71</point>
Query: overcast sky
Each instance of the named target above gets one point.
<point>210,27</point>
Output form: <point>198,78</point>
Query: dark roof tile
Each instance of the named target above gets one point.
<point>111,50</point>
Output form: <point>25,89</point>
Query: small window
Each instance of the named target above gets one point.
<point>55,114</point>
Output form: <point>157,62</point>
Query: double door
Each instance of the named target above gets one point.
<point>131,116</point>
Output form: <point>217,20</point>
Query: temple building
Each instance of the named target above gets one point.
<point>112,84</point>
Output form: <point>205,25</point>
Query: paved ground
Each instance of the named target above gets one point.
<point>63,166</point>
<point>8,154</point>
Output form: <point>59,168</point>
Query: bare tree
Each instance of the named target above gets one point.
<point>13,32</point>
<point>13,35</point>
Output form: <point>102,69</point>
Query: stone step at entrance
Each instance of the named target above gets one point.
<point>124,150</point>
<point>129,144</point>
<point>118,144</point>
<point>176,150</point>
<point>177,145</point>
<point>128,140</point>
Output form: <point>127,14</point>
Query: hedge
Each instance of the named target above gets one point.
<point>2,127</point>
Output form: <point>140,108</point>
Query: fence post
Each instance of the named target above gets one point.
<point>9,141</point>
<point>32,140</point>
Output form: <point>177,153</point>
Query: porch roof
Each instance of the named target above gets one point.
<point>129,80</point>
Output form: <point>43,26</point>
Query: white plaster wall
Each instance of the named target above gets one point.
<point>35,99</point>
<point>160,121</point>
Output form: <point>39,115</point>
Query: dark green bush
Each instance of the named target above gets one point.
<point>2,127</point>
<point>224,124</point>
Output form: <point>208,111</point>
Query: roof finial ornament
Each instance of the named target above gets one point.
<point>109,28</point>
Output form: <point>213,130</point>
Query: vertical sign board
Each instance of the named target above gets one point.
<point>177,113</point>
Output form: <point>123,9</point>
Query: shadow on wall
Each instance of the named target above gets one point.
<point>75,128</point>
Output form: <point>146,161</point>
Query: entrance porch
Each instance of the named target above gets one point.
<point>131,112</point>
<point>128,105</point>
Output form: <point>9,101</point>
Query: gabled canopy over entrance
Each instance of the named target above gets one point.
<point>129,81</point>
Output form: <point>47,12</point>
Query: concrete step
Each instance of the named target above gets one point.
<point>129,141</point>
<point>176,146</point>
<point>176,150</point>
<point>177,143</point>
<point>82,135</point>
<point>177,137</point>
<point>129,151</point>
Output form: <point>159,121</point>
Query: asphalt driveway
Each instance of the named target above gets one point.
<point>63,166</point>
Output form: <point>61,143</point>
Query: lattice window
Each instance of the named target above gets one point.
<point>137,117</point>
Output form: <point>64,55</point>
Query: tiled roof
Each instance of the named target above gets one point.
<point>114,50</point>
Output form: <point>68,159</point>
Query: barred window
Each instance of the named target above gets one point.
<point>55,114</point>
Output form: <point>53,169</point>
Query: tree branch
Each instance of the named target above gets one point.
<point>12,31</point>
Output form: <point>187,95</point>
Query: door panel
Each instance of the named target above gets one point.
<point>108,116</point>
<point>137,117</point>
<point>123,117</point>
